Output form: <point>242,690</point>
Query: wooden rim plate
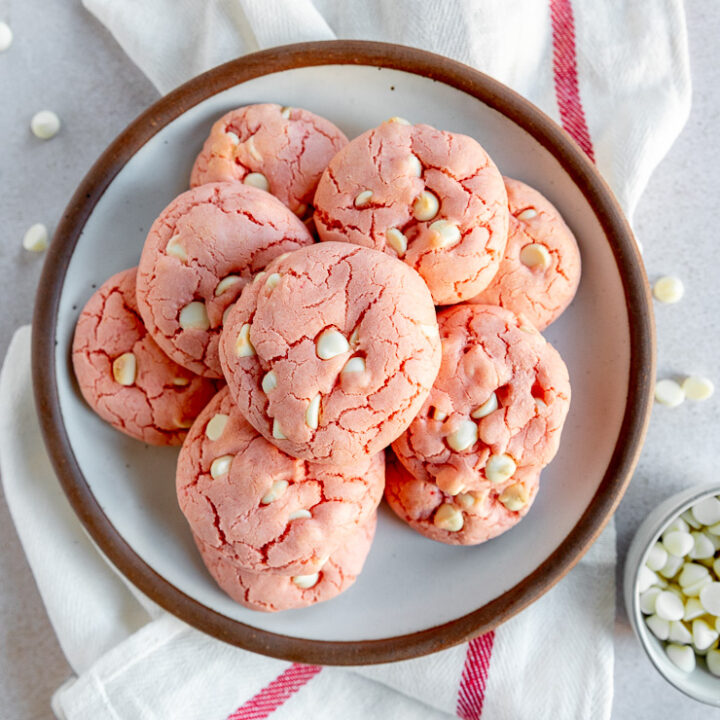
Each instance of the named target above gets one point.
<point>495,103</point>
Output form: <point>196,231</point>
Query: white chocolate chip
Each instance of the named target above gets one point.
<point>703,635</point>
<point>515,497</point>
<point>679,633</point>
<point>669,606</point>
<point>695,589</point>
<point>257,180</point>
<point>276,491</point>
<point>415,165</point>
<point>363,198</point>
<point>312,413</point>
<point>668,289</point>
<point>703,548</point>
<point>490,405</point>
<point>269,381</point>
<point>194,317</point>
<point>259,275</point>
<point>437,414</point>
<point>331,343</point>
<point>707,511</point>
<point>216,425</point>
<point>285,112</point>
<point>355,337</point>
<point>696,387</point>
<point>243,346</point>
<point>300,211</point>
<point>668,392</point>
<point>36,238</point>
<point>226,283</point>
<point>444,233</point>
<point>467,500</point>
<point>397,241</point>
<point>226,313</point>
<point>273,280</point>
<point>535,255</point>
<point>658,627</point>
<point>354,365</point>
<point>306,581</point>
<point>6,36</point>
<point>682,656</point>
<point>448,518</point>
<point>254,152</point>
<point>232,137</point>
<point>672,566</point>
<point>277,431</point>
<point>647,600</point>
<point>464,437</point>
<point>689,518</point>
<point>710,598</point>
<point>657,557</point>
<point>184,422</point>
<point>45,124</point>
<point>677,524</point>
<point>527,214</point>
<point>646,579</point>
<point>176,249</point>
<point>426,206</point>
<point>678,542</point>
<point>691,574</point>
<point>399,120</point>
<point>298,515</point>
<point>431,332</point>
<point>124,369</point>
<point>181,381</point>
<point>712,660</point>
<point>221,466</point>
<point>693,609</point>
<point>499,468</point>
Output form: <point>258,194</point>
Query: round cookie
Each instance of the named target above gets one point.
<point>465,519</point>
<point>498,404</point>
<point>332,352</point>
<point>264,509</point>
<point>199,254</point>
<point>279,149</point>
<point>540,271</point>
<point>271,593</point>
<point>434,199</point>
<point>125,377</point>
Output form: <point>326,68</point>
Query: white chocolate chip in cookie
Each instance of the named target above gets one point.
<point>447,517</point>
<point>124,369</point>
<point>312,413</point>
<point>221,466</point>
<point>285,112</point>
<point>254,152</point>
<point>668,289</point>
<point>444,233</point>
<point>232,137</point>
<point>527,214</point>
<point>414,165</point>
<point>194,317</point>
<point>257,180</point>
<point>243,346</point>
<point>464,437</point>
<point>273,280</point>
<point>490,405</point>
<point>515,497</point>
<point>437,414</point>
<point>181,381</point>
<point>276,491</point>
<point>397,241</point>
<point>226,312</point>
<point>398,120</point>
<point>330,343</point>
<point>277,431</point>
<point>499,468</point>
<point>426,206</point>
<point>363,198</point>
<point>184,423</point>
<point>216,426</point>
<point>176,249</point>
<point>269,381</point>
<point>299,515</point>
<point>226,283</point>
<point>354,365</point>
<point>305,582</point>
<point>355,337</point>
<point>535,255</point>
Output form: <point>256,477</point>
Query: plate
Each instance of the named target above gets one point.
<point>414,596</point>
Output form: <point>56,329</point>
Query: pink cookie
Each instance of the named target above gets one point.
<point>271,593</point>
<point>498,404</point>
<point>265,510</point>
<point>125,377</point>
<point>466,519</point>
<point>281,150</point>
<point>433,198</point>
<point>332,352</point>
<point>199,254</point>
<point>540,272</point>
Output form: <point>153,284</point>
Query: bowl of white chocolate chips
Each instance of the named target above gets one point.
<point>672,590</point>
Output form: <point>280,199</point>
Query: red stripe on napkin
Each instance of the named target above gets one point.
<point>567,89</point>
<point>273,695</point>
<point>474,677</point>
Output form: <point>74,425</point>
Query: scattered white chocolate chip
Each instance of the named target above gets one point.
<point>448,518</point>
<point>124,369</point>
<point>527,214</point>
<point>415,165</point>
<point>354,365</point>
<point>515,497</point>
<point>243,346</point>
<point>232,137</point>
<point>277,431</point>
<point>226,283</point>
<point>216,425</point>
<point>276,491</point>
<point>426,206</point>
<point>312,413</point>
<point>668,392</point>
<point>269,381</point>
<point>273,280</point>
<point>679,633</point>
<point>398,120</point>
<point>194,317</point>
<point>6,36</point>
<point>176,249</point>
<point>285,112</point>
<point>707,511</point>
<point>658,627</point>
<point>254,152</point>
<point>363,198</point>
<point>678,542</point>
<point>710,598</point>
<point>220,466</point>
<point>490,405</point>
<point>647,600</point>
<point>45,124</point>
<point>306,581</point>
<point>657,557</point>
<point>36,238</point>
<point>464,437</point>
<point>330,343</point>
<point>499,468</point>
<point>682,656</point>
<point>298,515</point>
<point>444,233</point>
<point>257,180</point>
<point>669,606</point>
<point>397,241</point>
<point>668,289</point>
<point>696,387</point>
<point>181,381</point>
<point>535,255</point>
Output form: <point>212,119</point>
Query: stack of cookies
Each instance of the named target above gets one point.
<point>286,367</point>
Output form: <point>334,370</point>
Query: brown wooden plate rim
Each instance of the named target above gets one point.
<point>491,93</point>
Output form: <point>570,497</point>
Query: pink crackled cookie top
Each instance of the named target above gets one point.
<point>282,150</point>
<point>540,271</point>
<point>199,254</point>
<point>263,509</point>
<point>272,593</point>
<point>434,199</point>
<point>332,351</point>
<point>125,377</point>
<point>498,404</point>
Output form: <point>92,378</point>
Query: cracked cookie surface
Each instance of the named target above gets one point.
<point>331,353</point>
<point>262,509</point>
<point>540,270</point>
<point>125,377</point>
<point>434,199</point>
<point>199,254</point>
<point>281,150</point>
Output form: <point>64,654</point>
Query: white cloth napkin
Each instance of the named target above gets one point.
<point>616,75</point>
